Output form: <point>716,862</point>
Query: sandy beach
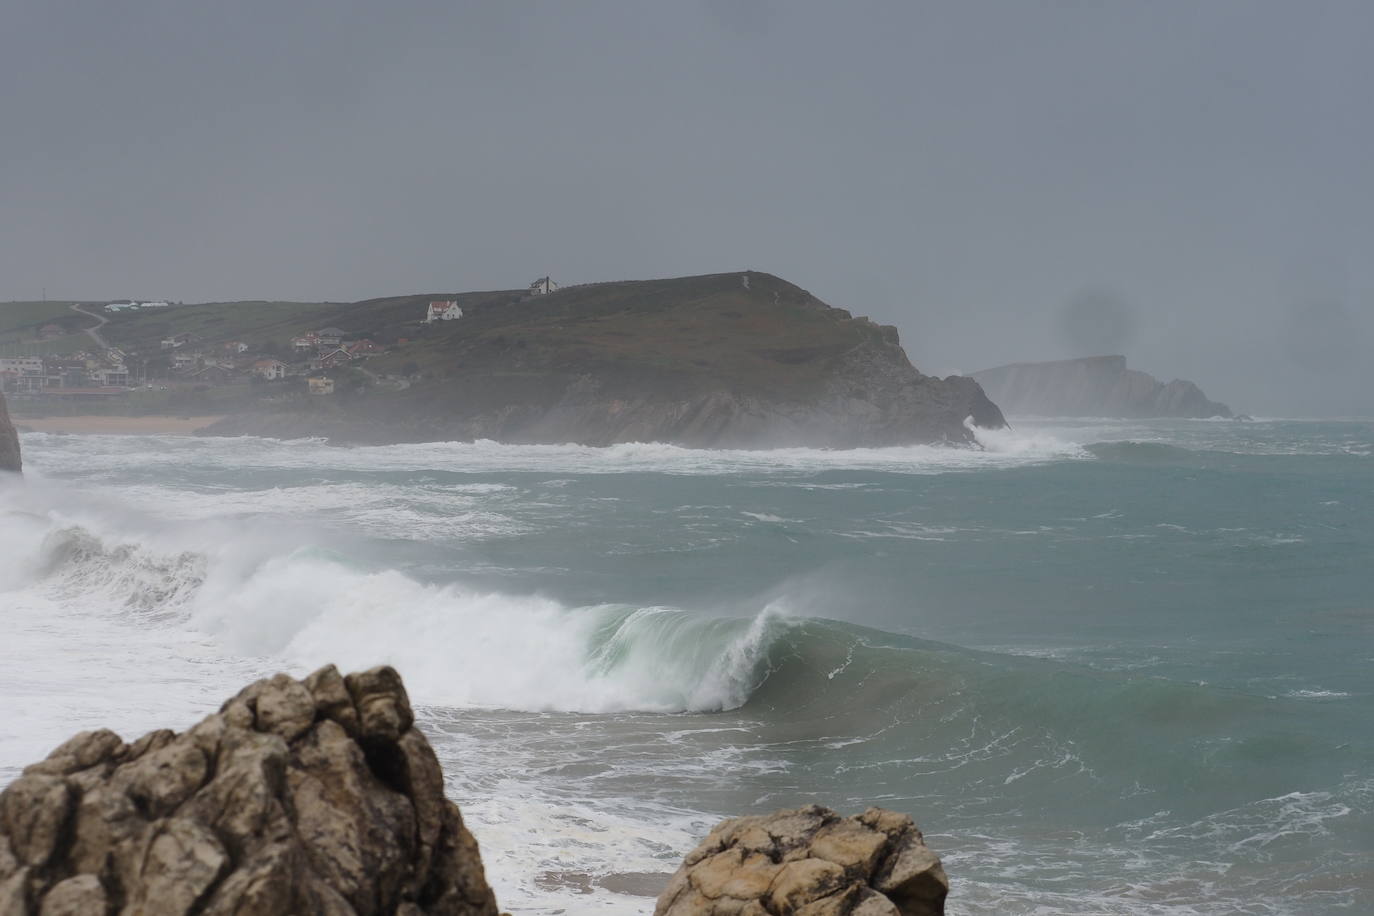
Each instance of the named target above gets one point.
<point>114,426</point>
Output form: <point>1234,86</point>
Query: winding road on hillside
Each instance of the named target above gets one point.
<point>101,321</point>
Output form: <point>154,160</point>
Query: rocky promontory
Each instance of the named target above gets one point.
<point>321,796</point>
<point>742,360</point>
<point>1097,386</point>
<point>10,459</point>
<point>296,797</point>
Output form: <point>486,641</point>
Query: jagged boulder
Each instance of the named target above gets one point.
<point>809,862</point>
<point>10,459</point>
<point>314,796</point>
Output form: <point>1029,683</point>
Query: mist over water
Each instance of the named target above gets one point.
<point>1110,667</point>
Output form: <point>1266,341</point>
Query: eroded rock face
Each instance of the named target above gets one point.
<point>809,862</point>
<point>9,441</point>
<point>296,797</point>
<point>1097,386</point>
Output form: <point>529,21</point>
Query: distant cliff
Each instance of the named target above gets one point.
<point>9,441</point>
<point>1098,386</point>
<point>727,360</point>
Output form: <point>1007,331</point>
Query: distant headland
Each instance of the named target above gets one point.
<point>1098,386</point>
<point>741,359</point>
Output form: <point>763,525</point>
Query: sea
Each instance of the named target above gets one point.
<point>1110,667</point>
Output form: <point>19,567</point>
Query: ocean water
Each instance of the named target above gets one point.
<point>1109,667</point>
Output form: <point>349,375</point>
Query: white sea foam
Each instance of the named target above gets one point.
<point>306,606</point>
<point>999,448</point>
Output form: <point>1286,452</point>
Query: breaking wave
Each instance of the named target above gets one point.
<point>458,646</point>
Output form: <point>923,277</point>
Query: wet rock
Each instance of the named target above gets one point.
<point>10,459</point>
<point>313,797</point>
<point>809,862</point>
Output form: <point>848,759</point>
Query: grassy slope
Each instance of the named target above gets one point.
<point>20,321</point>
<point>215,322</point>
<point>669,337</point>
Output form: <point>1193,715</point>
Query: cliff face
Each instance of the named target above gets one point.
<point>10,459</point>
<point>1099,386</point>
<point>727,360</point>
<point>297,797</point>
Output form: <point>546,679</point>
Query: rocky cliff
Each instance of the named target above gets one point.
<point>10,459</point>
<point>1098,386</point>
<point>297,797</point>
<point>726,360</point>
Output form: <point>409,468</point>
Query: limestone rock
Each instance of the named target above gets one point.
<point>9,441</point>
<point>809,862</point>
<point>313,797</point>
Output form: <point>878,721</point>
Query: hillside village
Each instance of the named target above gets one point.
<point>119,362</point>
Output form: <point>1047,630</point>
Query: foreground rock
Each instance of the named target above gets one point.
<point>809,862</point>
<point>9,441</point>
<point>1099,386</point>
<point>297,797</point>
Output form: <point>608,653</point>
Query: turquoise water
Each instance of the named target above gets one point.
<point>1109,667</point>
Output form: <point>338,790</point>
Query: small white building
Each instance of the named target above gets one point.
<point>542,287</point>
<point>446,310</point>
<point>269,369</point>
<point>22,365</point>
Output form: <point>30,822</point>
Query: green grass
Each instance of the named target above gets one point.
<point>15,316</point>
<point>254,323</point>
<point>18,344</point>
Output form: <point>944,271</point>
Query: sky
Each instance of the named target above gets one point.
<point>1191,184</point>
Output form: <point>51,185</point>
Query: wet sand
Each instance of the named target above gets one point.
<point>114,426</point>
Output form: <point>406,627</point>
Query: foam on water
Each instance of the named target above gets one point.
<point>1000,448</point>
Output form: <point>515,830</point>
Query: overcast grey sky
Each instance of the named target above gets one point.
<point>969,171</point>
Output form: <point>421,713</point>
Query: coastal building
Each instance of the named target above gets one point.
<point>446,310</point>
<point>175,341</point>
<point>305,342</point>
<point>22,365</point>
<point>318,384</point>
<point>113,377</point>
<point>335,357</point>
<point>235,346</point>
<point>363,348</point>
<point>216,375</point>
<point>331,337</point>
<point>542,287</point>
<point>269,369</point>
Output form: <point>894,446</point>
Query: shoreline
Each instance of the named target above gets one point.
<point>104,425</point>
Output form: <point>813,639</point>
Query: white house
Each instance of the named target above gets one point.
<point>269,368</point>
<point>22,365</point>
<point>542,287</point>
<point>331,337</point>
<point>446,310</point>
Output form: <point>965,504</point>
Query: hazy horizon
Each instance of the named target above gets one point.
<point>1187,185</point>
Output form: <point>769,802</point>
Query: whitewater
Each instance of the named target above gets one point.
<point>1110,667</point>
